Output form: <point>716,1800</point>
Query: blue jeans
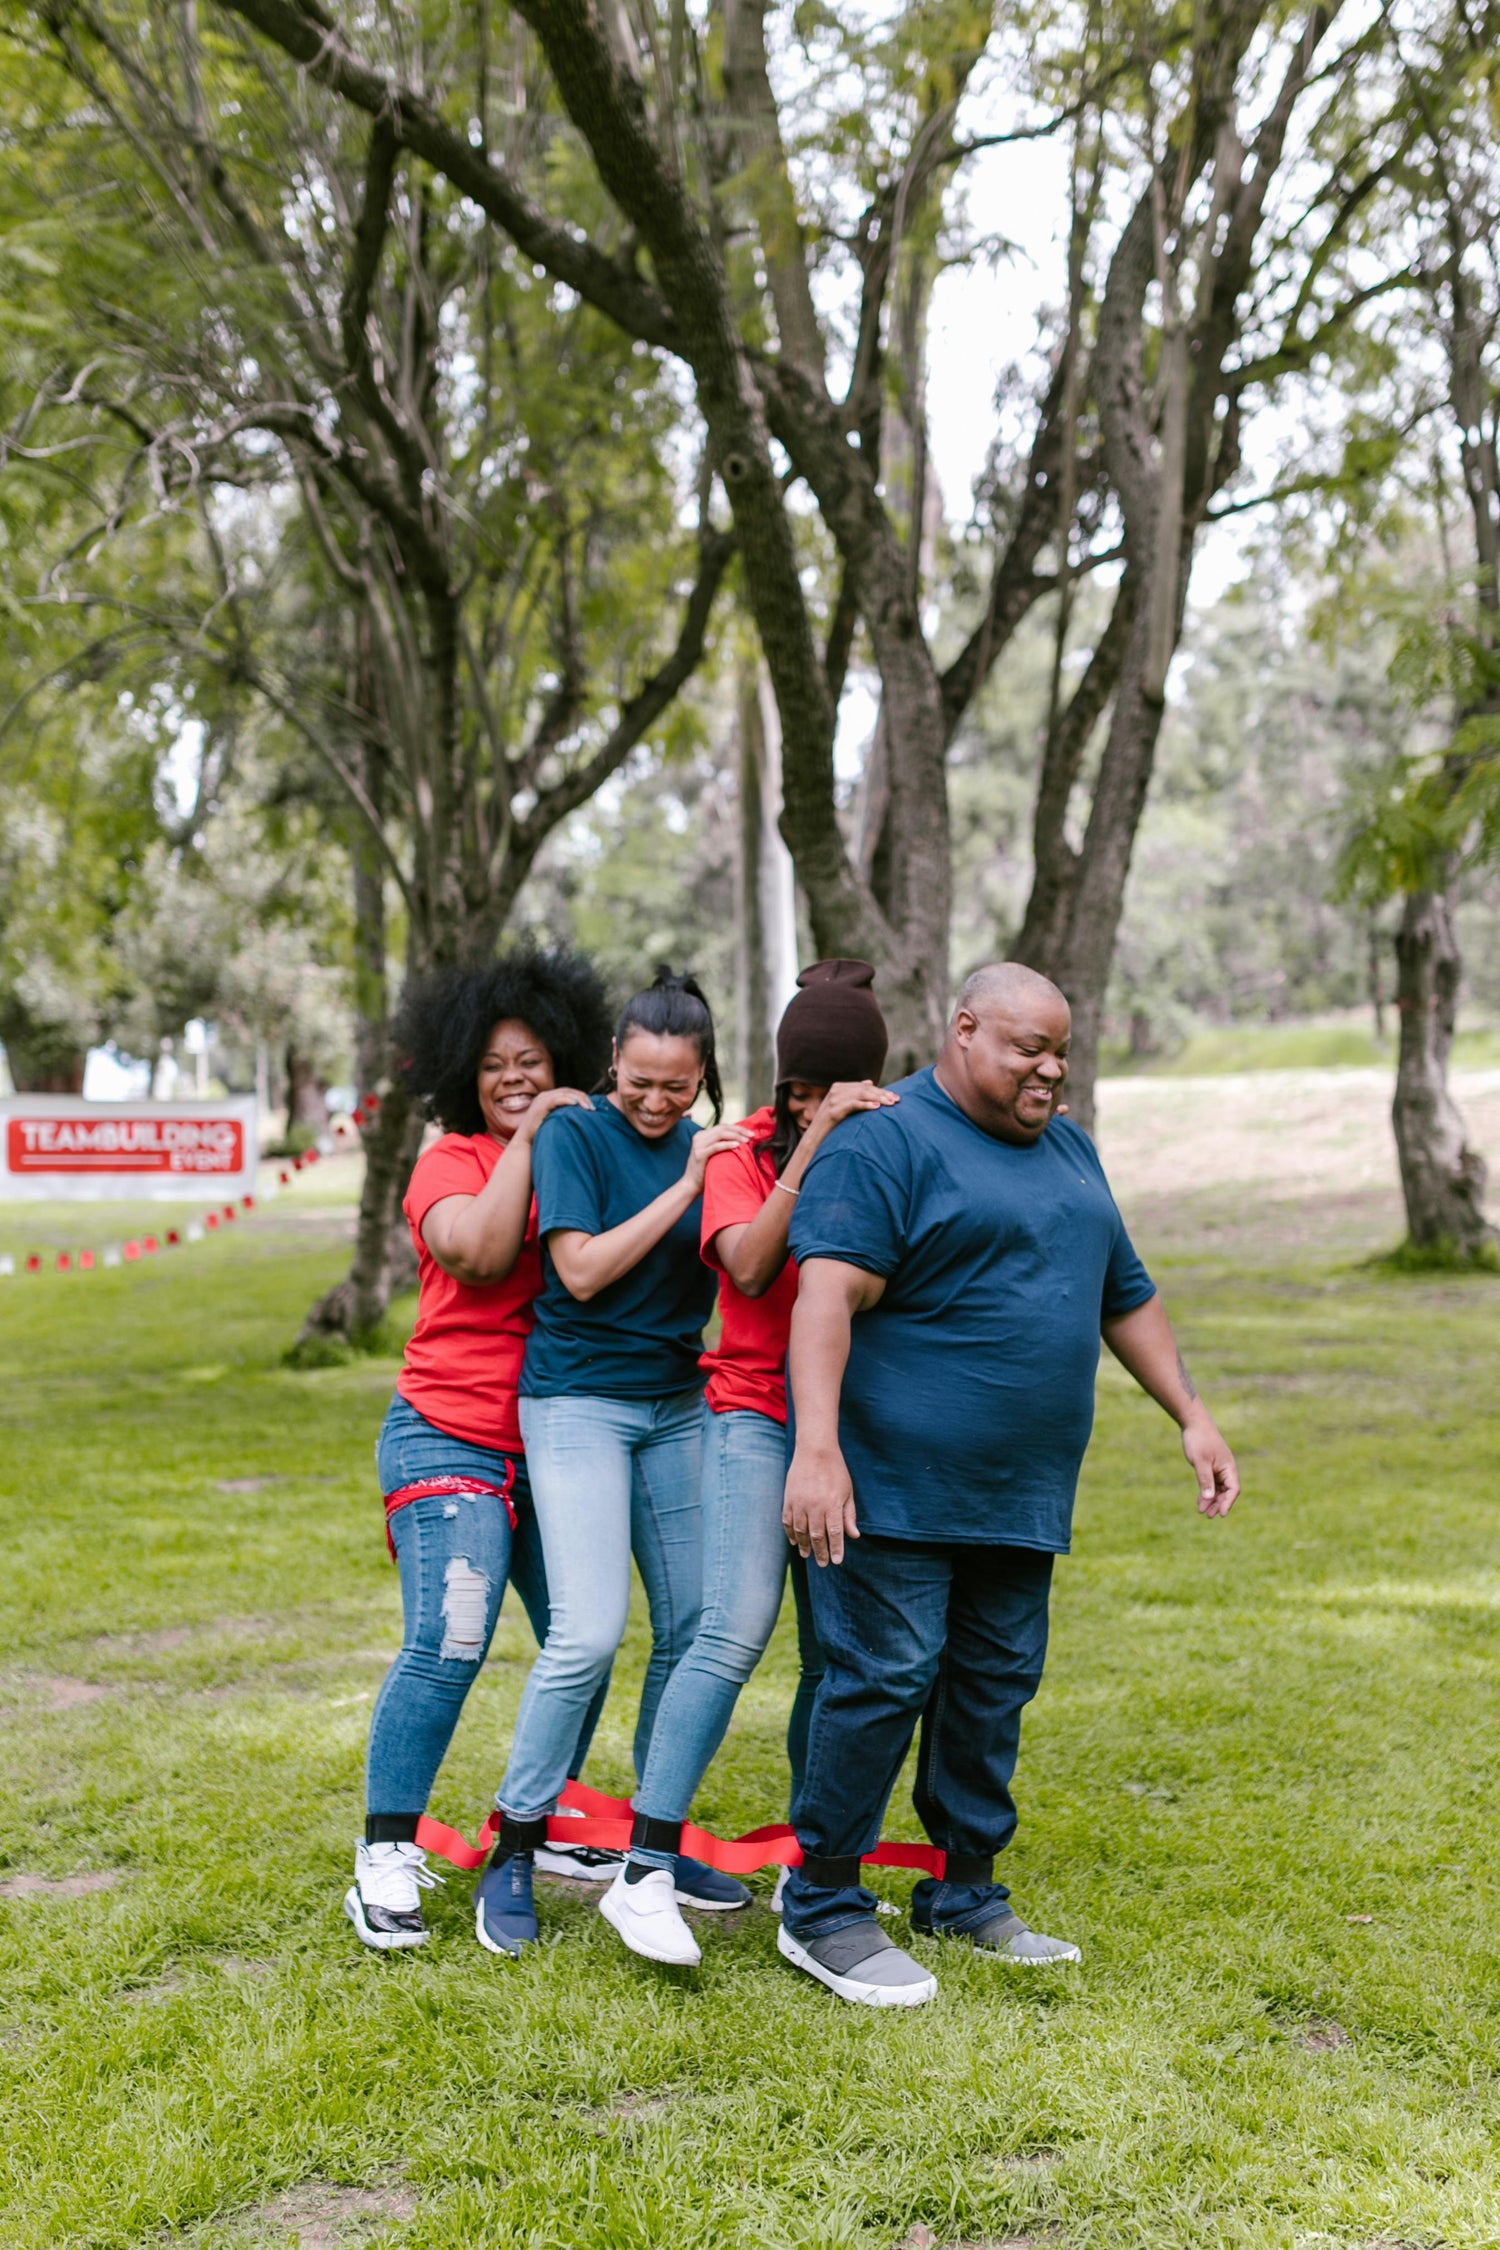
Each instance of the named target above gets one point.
<point>745,1556</point>
<point>455,1553</point>
<point>610,1477</point>
<point>954,1637</point>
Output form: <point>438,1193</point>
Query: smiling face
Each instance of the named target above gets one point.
<point>657,1077</point>
<point>803,1102</point>
<point>514,1068</point>
<point>1006,1061</point>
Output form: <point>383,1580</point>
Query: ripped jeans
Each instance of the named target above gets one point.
<point>455,1552</point>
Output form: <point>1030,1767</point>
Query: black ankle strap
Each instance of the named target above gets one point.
<point>650,1835</point>
<point>831,1874</point>
<point>520,1835</point>
<point>969,1867</point>
<point>391,1827</point>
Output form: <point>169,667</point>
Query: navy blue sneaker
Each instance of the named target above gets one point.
<point>504,1916</point>
<point>705,1888</point>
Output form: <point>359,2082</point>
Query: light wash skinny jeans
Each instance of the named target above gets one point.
<point>610,1478</point>
<point>746,1554</point>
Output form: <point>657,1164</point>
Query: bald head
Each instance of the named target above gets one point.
<point>1005,1059</point>
<point>1007,984</point>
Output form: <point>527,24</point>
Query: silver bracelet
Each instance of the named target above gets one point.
<point>786,1190</point>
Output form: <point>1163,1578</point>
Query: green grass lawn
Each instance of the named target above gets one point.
<point>1259,1787</point>
<point>1342,1042</point>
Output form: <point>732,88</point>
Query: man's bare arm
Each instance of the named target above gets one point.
<point>1143,1343</point>
<point>818,1511</point>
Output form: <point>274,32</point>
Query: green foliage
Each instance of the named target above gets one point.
<point>1437,810</point>
<point>1228,915</point>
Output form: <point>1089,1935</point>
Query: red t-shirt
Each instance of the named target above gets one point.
<point>464,1359</point>
<point>748,1371</point>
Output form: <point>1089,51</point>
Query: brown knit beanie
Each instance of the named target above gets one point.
<point>832,1028</point>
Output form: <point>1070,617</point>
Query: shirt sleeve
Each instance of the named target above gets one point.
<point>854,1203</point>
<point>450,1167</point>
<point>566,1175</point>
<point>1126,1281</point>
<point>735,1187</point>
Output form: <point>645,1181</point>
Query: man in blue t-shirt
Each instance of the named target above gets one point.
<point>960,1255</point>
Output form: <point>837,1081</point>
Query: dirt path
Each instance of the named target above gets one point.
<point>1271,1158</point>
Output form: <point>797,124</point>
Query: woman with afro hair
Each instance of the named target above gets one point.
<point>488,1052</point>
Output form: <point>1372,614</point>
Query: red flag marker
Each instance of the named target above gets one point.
<point>150,1245</point>
<point>311,1156</point>
<point>210,1218</point>
<point>229,1211</point>
<point>85,1261</point>
<point>173,1238</point>
<point>248,1201</point>
<point>64,1262</point>
<point>33,1263</point>
<point>285,1178</point>
<point>132,1250</point>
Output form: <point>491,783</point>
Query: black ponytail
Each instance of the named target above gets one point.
<point>674,1007</point>
<point>785,1133</point>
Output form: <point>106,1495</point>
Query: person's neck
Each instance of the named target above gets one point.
<point>959,1092</point>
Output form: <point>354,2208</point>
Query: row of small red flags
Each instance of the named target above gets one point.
<point>147,1245</point>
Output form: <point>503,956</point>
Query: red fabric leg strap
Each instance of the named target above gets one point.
<point>425,1487</point>
<point>606,1825</point>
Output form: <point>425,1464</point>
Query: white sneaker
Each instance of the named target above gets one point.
<point>577,1863</point>
<point>646,1916</point>
<point>385,1900</point>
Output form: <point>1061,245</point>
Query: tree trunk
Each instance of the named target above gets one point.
<point>306,1094</point>
<point>371,998</point>
<point>755,996</point>
<point>1442,1174</point>
<point>353,1309</point>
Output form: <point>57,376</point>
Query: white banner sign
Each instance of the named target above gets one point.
<point>56,1147</point>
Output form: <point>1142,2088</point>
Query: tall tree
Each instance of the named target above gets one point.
<point>1456,191</point>
<point>689,150</point>
<point>751,205</point>
<point>468,479</point>
<point>1243,257</point>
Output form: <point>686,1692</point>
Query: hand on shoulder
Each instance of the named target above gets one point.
<point>547,1105</point>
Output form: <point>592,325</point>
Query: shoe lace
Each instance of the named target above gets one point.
<point>386,1880</point>
<point>426,1878</point>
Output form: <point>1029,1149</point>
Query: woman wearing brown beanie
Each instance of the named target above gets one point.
<point>830,1051</point>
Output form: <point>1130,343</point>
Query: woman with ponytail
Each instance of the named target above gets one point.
<point>830,1051</point>
<point>611,1410</point>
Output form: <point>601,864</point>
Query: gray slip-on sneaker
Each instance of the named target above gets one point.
<point>859,1962</point>
<point>1008,1938</point>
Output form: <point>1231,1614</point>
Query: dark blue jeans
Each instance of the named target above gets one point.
<point>953,1637</point>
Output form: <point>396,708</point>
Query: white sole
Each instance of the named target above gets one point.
<point>850,1988</point>
<point>1069,1960</point>
<point>502,1952</point>
<point>379,1941</point>
<point>1026,1961</point>
<point>565,1871</point>
<point>628,1935</point>
<point>712,1905</point>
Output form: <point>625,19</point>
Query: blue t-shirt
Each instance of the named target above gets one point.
<point>640,1337</point>
<point>969,1395</point>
